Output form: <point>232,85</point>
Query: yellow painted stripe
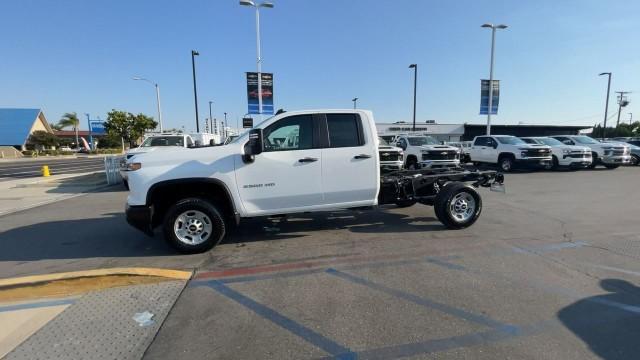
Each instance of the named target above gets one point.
<point>168,273</point>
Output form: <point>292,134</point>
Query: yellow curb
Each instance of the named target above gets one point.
<point>26,280</point>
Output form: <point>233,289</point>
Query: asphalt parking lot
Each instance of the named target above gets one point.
<point>549,271</point>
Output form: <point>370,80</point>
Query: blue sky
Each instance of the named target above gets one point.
<point>79,55</point>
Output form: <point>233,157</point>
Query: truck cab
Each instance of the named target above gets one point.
<point>508,152</point>
<point>425,152</point>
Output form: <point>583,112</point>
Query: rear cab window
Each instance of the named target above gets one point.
<point>344,130</point>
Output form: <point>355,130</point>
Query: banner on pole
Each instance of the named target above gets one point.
<point>484,97</point>
<point>97,127</point>
<point>267,93</point>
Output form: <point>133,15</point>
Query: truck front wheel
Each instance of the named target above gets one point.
<point>506,163</point>
<point>458,205</point>
<point>193,225</point>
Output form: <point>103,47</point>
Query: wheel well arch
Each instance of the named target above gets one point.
<point>166,193</point>
<point>412,157</point>
<point>506,154</point>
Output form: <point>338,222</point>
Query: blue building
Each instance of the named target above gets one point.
<point>16,125</point>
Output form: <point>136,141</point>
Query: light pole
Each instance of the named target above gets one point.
<point>630,118</point>
<point>195,90</point>
<point>157,97</point>
<point>211,116</point>
<point>415,87</point>
<point>355,103</point>
<point>225,119</point>
<point>622,102</point>
<point>257,6</point>
<point>606,105</point>
<point>493,45</point>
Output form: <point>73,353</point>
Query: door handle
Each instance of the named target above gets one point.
<point>307,160</point>
<point>362,156</point>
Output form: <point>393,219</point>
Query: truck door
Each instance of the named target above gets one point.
<point>350,172</point>
<point>490,152</point>
<point>287,174</point>
<point>478,149</point>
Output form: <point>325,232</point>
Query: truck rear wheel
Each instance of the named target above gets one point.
<point>458,205</point>
<point>193,225</point>
<point>506,163</point>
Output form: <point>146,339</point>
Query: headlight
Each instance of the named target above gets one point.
<point>566,151</point>
<point>523,154</point>
<point>133,166</point>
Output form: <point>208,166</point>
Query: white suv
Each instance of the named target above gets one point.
<point>563,155</point>
<point>611,155</point>
<point>424,152</point>
<point>509,151</point>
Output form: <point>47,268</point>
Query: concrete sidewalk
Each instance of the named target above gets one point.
<point>21,194</point>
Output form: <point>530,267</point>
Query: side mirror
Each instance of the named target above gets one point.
<point>254,146</point>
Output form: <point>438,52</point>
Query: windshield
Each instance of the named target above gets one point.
<point>422,140</point>
<point>550,141</point>
<point>510,140</point>
<point>163,141</point>
<point>585,140</point>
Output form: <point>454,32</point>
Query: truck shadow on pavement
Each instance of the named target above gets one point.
<point>111,237</point>
<point>609,324</point>
<point>300,225</point>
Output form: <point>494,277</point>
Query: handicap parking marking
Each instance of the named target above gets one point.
<point>336,350</point>
<point>463,314</point>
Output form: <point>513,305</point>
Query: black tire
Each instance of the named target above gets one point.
<point>184,206</point>
<point>553,165</point>
<point>635,160</point>
<point>611,167</point>
<point>443,204</point>
<point>594,161</point>
<point>412,163</point>
<point>506,163</point>
<point>405,203</point>
<point>126,184</point>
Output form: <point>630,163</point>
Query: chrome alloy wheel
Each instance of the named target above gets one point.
<point>462,207</point>
<point>192,227</point>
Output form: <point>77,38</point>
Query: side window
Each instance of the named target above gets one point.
<point>492,142</point>
<point>403,143</point>
<point>344,130</point>
<point>291,133</point>
<point>481,141</point>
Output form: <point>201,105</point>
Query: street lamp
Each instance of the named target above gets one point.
<point>211,117</point>
<point>355,103</point>
<point>157,97</point>
<point>257,6</point>
<point>493,44</point>
<point>606,105</point>
<point>415,86</point>
<point>195,91</point>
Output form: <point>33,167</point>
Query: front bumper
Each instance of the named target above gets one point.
<point>533,162</point>
<point>438,164</point>
<point>391,166</point>
<point>616,160</point>
<point>575,162</point>
<point>140,217</point>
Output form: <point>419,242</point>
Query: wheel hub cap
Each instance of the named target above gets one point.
<point>462,207</point>
<point>192,227</point>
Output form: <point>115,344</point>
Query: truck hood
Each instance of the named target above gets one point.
<point>145,150</point>
<point>532,146</point>
<point>438,147</point>
<point>163,155</point>
<point>389,148</point>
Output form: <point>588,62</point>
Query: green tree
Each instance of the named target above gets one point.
<point>69,120</point>
<point>43,138</point>
<point>55,126</point>
<point>130,127</point>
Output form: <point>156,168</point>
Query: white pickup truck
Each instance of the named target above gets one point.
<point>293,162</point>
<point>563,155</point>
<point>508,152</point>
<point>425,152</point>
<point>611,155</point>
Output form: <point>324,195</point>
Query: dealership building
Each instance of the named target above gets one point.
<point>466,132</point>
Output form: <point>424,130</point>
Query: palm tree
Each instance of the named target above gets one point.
<point>70,119</point>
<point>55,126</point>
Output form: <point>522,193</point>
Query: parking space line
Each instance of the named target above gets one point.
<point>336,350</point>
<point>454,342</point>
<point>448,265</point>
<point>478,319</point>
<point>35,305</point>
